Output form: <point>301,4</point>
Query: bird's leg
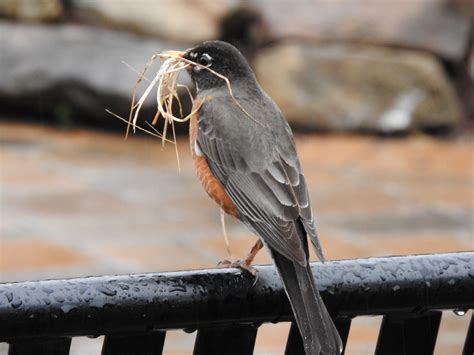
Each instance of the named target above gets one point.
<point>245,264</point>
<point>253,252</point>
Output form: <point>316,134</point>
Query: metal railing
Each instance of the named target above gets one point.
<point>226,307</point>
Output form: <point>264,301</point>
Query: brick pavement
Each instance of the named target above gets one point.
<point>76,203</point>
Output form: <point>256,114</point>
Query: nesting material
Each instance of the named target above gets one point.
<point>167,87</point>
<point>166,83</point>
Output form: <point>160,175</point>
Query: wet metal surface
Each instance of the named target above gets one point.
<point>190,299</point>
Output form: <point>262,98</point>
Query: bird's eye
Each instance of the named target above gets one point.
<point>205,60</point>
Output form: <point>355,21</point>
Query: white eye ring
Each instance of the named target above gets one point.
<point>205,60</point>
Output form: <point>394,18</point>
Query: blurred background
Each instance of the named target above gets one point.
<point>380,95</point>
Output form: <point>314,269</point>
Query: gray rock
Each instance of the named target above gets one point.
<point>438,26</point>
<point>176,20</point>
<point>31,10</point>
<point>71,72</point>
<point>339,87</point>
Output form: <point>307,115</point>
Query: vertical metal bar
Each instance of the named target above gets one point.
<point>343,326</point>
<point>406,334</point>
<point>469,342</point>
<point>230,340</point>
<point>150,343</point>
<point>294,344</point>
<point>43,346</point>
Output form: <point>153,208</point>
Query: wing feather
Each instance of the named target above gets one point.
<point>261,174</point>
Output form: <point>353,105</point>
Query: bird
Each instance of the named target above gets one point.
<point>246,160</point>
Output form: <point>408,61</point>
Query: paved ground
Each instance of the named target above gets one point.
<point>83,203</point>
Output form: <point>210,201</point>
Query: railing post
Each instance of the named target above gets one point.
<point>236,339</point>
<point>150,343</point>
<point>343,326</point>
<point>294,344</point>
<point>41,346</point>
<point>408,334</point>
<point>469,342</point>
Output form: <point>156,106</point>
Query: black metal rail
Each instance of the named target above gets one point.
<point>408,290</point>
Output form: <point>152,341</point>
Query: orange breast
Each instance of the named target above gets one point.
<point>209,182</point>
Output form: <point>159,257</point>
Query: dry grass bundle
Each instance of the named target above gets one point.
<point>166,82</point>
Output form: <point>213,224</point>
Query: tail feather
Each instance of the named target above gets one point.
<point>317,329</point>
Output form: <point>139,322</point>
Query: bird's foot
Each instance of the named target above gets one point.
<point>239,264</point>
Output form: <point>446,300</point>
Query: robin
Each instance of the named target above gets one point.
<point>245,156</point>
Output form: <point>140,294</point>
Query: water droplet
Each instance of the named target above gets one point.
<point>451,282</point>
<point>59,299</point>
<point>47,290</point>
<point>396,288</point>
<point>17,303</point>
<point>459,312</point>
<point>178,288</point>
<point>370,266</point>
<point>9,296</point>
<point>106,291</point>
<point>124,287</point>
<point>67,307</point>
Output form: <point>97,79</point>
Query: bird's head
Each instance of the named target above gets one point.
<point>213,57</point>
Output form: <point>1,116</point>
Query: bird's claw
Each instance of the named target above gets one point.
<point>240,264</point>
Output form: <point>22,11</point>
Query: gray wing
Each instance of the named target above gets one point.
<point>256,161</point>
